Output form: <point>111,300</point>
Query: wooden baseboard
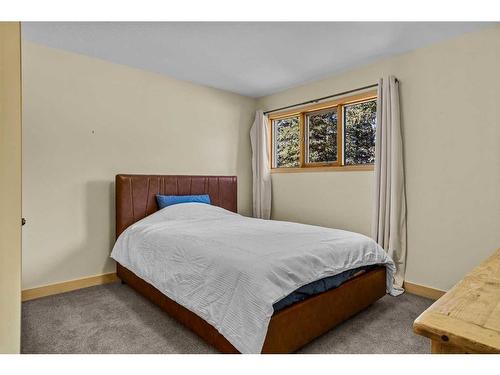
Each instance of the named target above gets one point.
<point>423,291</point>
<point>67,286</point>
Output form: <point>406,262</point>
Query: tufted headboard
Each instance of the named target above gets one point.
<point>136,194</point>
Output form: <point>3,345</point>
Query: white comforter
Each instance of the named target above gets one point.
<point>230,269</point>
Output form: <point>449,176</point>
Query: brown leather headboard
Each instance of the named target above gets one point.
<point>136,194</point>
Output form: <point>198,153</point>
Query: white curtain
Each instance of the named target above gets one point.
<point>260,166</point>
<point>389,213</point>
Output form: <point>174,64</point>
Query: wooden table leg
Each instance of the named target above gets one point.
<point>438,347</point>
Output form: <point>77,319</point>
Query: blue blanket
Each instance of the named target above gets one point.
<point>316,287</point>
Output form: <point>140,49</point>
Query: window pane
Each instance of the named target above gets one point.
<point>286,140</point>
<point>359,134</point>
<point>321,142</point>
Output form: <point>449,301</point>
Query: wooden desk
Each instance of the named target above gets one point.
<point>467,318</point>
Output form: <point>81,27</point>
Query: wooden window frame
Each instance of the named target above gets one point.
<point>301,113</point>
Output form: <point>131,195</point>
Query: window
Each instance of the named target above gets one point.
<point>321,136</point>
<point>335,135</point>
<point>359,133</point>
<point>287,140</point>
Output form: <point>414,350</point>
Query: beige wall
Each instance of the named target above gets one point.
<point>86,120</point>
<point>450,96</point>
<point>10,187</point>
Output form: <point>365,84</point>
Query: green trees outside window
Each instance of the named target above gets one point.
<point>360,122</point>
<point>337,134</point>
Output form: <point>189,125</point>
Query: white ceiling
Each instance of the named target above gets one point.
<point>253,59</point>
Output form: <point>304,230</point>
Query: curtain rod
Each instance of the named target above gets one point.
<point>323,98</point>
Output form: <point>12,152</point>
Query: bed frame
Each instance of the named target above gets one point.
<point>290,328</point>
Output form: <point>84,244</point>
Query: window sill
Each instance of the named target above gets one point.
<point>345,168</point>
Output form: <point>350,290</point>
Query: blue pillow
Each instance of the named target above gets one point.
<point>168,200</point>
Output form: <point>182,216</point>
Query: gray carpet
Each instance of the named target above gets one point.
<point>114,319</point>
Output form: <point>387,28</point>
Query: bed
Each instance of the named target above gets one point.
<point>288,327</point>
